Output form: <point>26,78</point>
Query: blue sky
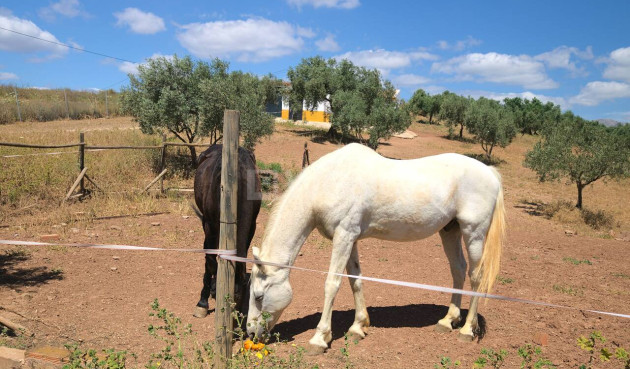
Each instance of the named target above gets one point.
<point>573,53</point>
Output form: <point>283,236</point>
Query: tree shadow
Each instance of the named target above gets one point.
<point>493,160</point>
<point>460,139</point>
<point>14,277</point>
<point>410,316</point>
<point>531,208</point>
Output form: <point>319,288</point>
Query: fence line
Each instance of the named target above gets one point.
<point>231,256</point>
<point>84,147</point>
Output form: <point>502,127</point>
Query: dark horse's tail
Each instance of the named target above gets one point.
<point>197,211</point>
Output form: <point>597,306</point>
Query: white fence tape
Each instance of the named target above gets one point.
<point>231,255</point>
<point>116,247</point>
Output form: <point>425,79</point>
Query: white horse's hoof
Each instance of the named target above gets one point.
<point>314,350</point>
<point>465,337</point>
<point>440,328</point>
<point>200,312</point>
<point>357,332</point>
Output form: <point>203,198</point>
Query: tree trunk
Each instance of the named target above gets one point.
<point>193,155</point>
<point>431,118</point>
<point>461,132</point>
<point>580,187</point>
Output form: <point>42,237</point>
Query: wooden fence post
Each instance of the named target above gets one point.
<point>17,101</point>
<point>65,96</point>
<point>106,107</point>
<point>163,162</point>
<point>82,160</point>
<point>224,321</point>
<point>305,159</point>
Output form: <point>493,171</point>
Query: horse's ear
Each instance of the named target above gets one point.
<point>256,253</point>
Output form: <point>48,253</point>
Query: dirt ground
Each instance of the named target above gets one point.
<point>101,298</point>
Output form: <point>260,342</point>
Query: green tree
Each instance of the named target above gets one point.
<point>453,112</point>
<point>166,96</point>
<point>491,123</point>
<point>240,91</point>
<point>187,98</point>
<point>360,100</point>
<point>424,104</point>
<point>581,151</point>
<point>530,116</point>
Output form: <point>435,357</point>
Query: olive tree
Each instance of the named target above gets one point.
<point>166,96</point>
<point>424,104</point>
<point>187,98</point>
<point>491,123</point>
<point>453,112</point>
<point>581,151</point>
<point>360,100</point>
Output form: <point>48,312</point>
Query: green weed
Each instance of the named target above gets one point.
<point>504,280</point>
<point>576,261</point>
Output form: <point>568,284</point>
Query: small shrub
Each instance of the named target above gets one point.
<point>446,363</point>
<point>533,358</point>
<point>491,358</point>
<point>504,280</point>
<point>599,219</point>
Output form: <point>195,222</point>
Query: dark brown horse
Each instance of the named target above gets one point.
<point>208,200</point>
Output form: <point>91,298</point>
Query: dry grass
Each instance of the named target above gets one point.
<point>47,105</point>
<point>35,185</point>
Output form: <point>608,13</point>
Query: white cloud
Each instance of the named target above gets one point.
<point>305,32</point>
<point>14,42</point>
<point>67,8</point>
<point>405,80</point>
<point>6,76</point>
<point>140,22</point>
<point>343,4</point>
<point>459,45</point>
<point>327,44</point>
<point>618,65</point>
<point>250,40</point>
<point>384,60</point>
<point>132,68</point>
<point>493,67</point>
<point>560,57</point>
<point>595,92</point>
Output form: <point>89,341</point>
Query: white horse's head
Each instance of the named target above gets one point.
<point>270,294</point>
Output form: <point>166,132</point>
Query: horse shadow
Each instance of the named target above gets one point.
<point>410,316</point>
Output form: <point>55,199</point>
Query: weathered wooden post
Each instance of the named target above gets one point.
<point>224,321</point>
<point>305,159</point>
<point>65,96</point>
<point>82,160</point>
<point>163,162</point>
<point>17,102</point>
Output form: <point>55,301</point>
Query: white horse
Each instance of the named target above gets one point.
<point>354,193</point>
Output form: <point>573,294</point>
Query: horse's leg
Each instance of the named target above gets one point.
<point>451,239</point>
<point>474,244</point>
<point>209,279</point>
<point>342,247</point>
<point>361,317</point>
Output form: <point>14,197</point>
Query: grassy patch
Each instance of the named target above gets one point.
<point>504,280</point>
<point>568,290</point>
<point>576,261</point>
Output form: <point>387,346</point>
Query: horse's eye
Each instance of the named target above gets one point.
<point>259,298</point>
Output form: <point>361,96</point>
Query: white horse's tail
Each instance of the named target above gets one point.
<point>488,268</point>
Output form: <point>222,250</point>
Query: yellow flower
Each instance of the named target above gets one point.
<point>259,355</point>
